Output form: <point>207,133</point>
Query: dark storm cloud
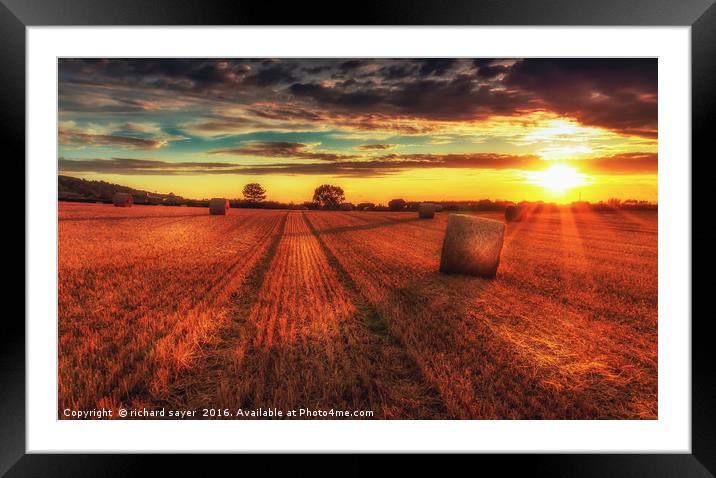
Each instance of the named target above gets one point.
<point>365,98</point>
<point>436,66</point>
<point>618,94</point>
<point>181,75</point>
<point>397,72</point>
<point>315,70</point>
<point>458,98</point>
<point>490,72</point>
<point>350,65</point>
<point>209,73</point>
<point>272,75</point>
<point>480,62</point>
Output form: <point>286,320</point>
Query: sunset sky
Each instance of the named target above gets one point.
<point>420,129</point>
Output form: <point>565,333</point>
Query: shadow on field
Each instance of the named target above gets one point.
<point>408,371</point>
<point>502,348</point>
<point>201,381</point>
<point>347,371</point>
<point>458,329</point>
<point>446,323</point>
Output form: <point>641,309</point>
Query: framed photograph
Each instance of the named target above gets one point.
<point>420,230</point>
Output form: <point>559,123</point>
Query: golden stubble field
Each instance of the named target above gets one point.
<point>172,307</point>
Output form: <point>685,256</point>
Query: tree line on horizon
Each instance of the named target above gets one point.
<point>325,197</point>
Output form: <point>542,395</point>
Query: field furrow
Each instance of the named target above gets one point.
<point>565,334</point>
<point>346,311</point>
<point>308,340</point>
<point>151,293</point>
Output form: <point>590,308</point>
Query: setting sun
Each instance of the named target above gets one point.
<point>559,178</point>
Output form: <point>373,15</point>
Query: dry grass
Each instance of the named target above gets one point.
<point>305,341</point>
<point>567,330</point>
<point>139,295</point>
<point>163,306</point>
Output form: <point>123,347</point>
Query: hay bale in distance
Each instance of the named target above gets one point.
<point>515,213</point>
<point>426,210</point>
<point>438,208</point>
<point>122,200</point>
<point>472,246</point>
<point>218,206</point>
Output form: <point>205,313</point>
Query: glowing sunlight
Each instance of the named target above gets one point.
<point>558,178</point>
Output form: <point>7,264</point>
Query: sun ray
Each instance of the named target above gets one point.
<point>571,230</point>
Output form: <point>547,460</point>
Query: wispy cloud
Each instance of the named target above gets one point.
<point>376,146</point>
<point>639,163</point>
<point>283,149</point>
<point>132,135</point>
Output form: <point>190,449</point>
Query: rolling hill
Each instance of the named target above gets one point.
<point>83,190</point>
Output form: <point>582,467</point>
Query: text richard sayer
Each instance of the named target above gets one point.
<point>124,413</point>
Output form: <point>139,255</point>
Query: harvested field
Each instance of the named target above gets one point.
<point>139,295</point>
<point>567,330</point>
<point>171,307</point>
<point>307,339</point>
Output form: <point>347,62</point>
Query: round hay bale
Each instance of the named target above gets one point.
<point>438,208</point>
<point>122,200</point>
<point>426,210</point>
<point>515,213</point>
<point>472,246</point>
<point>218,206</point>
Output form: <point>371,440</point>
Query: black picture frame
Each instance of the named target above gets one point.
<point>700,15</point>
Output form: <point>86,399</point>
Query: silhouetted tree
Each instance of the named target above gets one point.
<point>328,196</point>
<point>397,204</point>
<point>254,192</point>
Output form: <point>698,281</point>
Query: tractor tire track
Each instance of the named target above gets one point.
<point>192,383</point>
<point>379,327</point>
<point>300,338</point>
